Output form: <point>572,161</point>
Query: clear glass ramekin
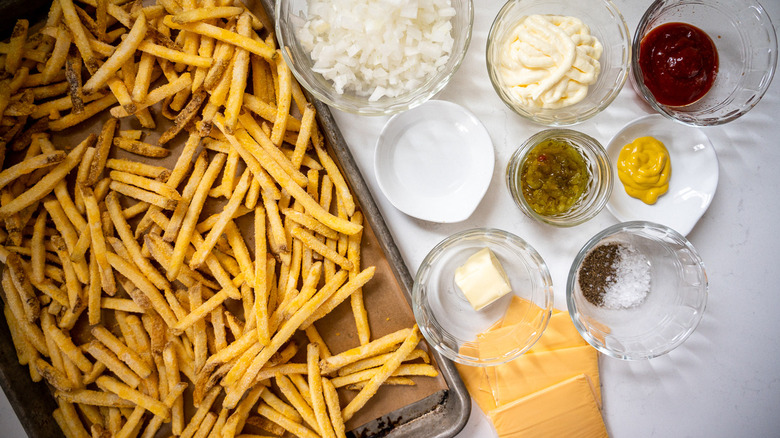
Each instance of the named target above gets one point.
<point>599,186</point>
<point>747,53</point>
<point>291,15</point>
<point>605,22</point>
<point>451,325</point>
<point>669,313</point>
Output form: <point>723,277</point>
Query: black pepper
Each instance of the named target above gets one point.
<point>597,272</point>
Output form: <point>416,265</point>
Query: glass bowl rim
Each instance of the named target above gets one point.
<point>517,243</point>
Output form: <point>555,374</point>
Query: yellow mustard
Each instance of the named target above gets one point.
<point>644,168</point>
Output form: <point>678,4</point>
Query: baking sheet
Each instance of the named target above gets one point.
<point>436,407</point>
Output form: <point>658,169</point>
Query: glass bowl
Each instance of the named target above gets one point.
<point>670,311</point>
<point>599,186</point>
<point>605,23</point>
<point>447,320</point>
<point>292,15</point>
<point>747,52</point>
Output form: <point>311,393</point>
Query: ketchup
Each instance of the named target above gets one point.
<point>679,63</point>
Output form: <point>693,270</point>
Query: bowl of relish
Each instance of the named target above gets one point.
<point>561,177</point>
<point>703,63</point>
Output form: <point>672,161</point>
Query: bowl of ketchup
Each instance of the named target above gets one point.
<point>703,63</point>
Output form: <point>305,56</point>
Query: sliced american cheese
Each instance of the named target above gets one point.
<point>475,380</point>
<point>482,279</point>
<point>517,310</point>
<point>566,409</point>
<point>533,372</point>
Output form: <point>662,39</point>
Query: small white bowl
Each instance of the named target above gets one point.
<point>434,162</point>
<point>694,174</point>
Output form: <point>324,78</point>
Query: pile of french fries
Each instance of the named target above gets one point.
<point>119,291</point>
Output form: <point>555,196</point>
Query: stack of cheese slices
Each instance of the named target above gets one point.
<point>551,390</point>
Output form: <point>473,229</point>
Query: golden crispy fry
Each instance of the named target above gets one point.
<point>249,44</point>
<point>382,374</point>
<point>143,195</point>
<point>226,216</point>
<point>159,173</point>
<point>174,55</point>
<point>47,183</point>
<point>125,392</point>
<point>103,147</point>
<point>141,148</point>
<point>203,14</point>
<point>267,144</point>
<point>315,388</point>
<point>71,19</point>
<point>90,110</point>
<point>239,77</point>
<point>295,428</point>
<point>193,212</point>
<point>392,380</point>
<point>105,356</point>
<point>402,370</point>
<point>292,394</point>
<point>157,95</point>
<point>378,346</point>
<point>124,52</point>
<point>334,408</point>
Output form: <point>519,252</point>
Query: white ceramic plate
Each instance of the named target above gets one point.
<point>434,162</point>
<point>694,174</point>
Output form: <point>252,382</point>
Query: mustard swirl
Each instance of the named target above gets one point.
<point>644,168</point>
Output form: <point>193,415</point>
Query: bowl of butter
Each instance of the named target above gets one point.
<point>558,62</point>
<point>482,297</point>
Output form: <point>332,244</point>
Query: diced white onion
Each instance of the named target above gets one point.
<point>378,48</point>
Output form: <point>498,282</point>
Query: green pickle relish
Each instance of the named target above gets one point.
<point>553,177</point>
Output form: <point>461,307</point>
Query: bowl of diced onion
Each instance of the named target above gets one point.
<point>373,58</point>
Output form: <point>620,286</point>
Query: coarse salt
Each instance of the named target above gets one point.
<point>378,48</point>
<point>631,281</point>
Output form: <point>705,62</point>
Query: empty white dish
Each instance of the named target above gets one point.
<point>434,162</point>
<point>692,184</point>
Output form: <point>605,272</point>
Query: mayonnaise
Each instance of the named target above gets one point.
<point>644,168</point>
<point>548,61</point>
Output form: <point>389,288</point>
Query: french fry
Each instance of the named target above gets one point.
<point>334,408</point>
<point>292,394</point>
<point>102,149</point>
<point>401,370</point>
<point>125,392</point>
<point>193,211</point>
<point>71,19</point>
<point>283,101</point>
<point>105,356</point>
<point>93,398</point>
<point>249,44</point>
<point>174,55</point>
<point>377,346</point>
<point>184,117</point>
<point>295,428</point>
<point>90,110</point>
<point>382,374</point>
<point>124,51</point>
<point>240,72</point>
<point>143,195</point>
<point>392,381</point>
<point>315,387</point>
<point>199,258</point>
<point>158,173</point>
<point>157,95</point>
<point>279,405</point>
<point>204,14</point>
<point>47,183</point>
<point>141,148</point>
<point>147,288</point>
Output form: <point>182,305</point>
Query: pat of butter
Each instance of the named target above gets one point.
<point>482,279</point>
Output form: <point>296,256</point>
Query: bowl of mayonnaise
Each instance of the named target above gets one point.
<point>558,63</point>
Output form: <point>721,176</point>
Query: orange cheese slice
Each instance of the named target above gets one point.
<point>566,409</point>
<point>476,382</point>
<point>533,372</point>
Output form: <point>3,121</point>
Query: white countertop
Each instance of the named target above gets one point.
<point>724,381</point>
